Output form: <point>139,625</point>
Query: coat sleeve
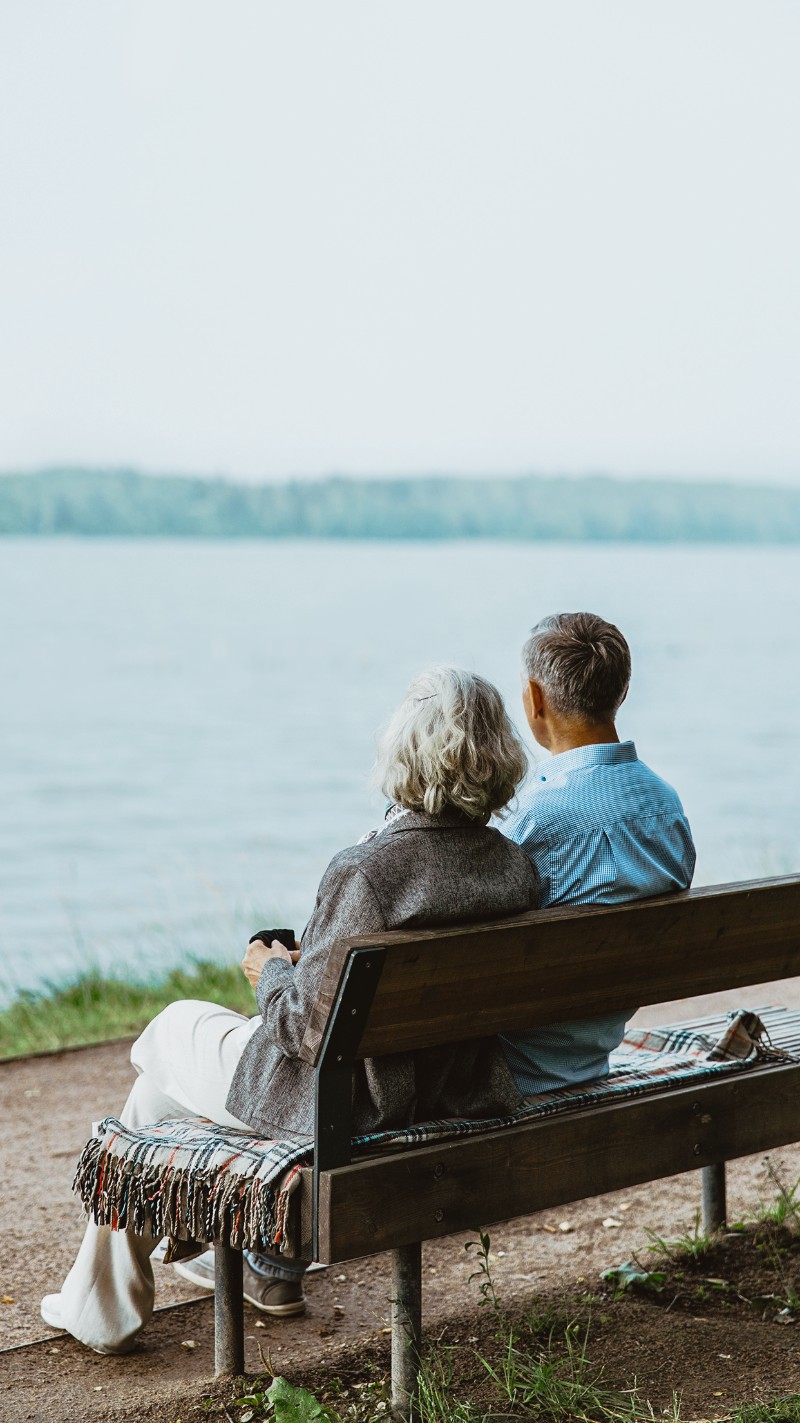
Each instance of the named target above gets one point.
<point>346,905</point>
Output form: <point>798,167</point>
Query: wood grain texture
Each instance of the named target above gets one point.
<point>390,1201</point>
<point>553,965</point>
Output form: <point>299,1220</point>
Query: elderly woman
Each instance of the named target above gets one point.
<point>448,760</point>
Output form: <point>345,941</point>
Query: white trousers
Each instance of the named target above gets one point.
<point>186,1059</point>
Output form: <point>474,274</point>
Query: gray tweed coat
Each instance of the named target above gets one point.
<point>422,871</point>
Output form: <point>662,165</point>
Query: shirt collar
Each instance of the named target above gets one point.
<point>613,753</point>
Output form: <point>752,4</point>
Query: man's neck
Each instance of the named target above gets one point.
<point>567,736</point>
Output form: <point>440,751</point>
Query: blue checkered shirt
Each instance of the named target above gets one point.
<point>601,828</point>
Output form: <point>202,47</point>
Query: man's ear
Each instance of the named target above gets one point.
<point>537,699</point>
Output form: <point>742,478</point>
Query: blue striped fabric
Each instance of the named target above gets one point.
<point>601,828</point>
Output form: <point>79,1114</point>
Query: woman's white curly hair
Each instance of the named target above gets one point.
<point>450,743</point>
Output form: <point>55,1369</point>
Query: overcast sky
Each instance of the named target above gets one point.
<point>269,238</point>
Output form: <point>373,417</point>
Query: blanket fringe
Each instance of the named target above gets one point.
<point>205,1205</point>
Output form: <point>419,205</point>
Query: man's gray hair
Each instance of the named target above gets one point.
<point>582,663</point>
<point>450,743</point>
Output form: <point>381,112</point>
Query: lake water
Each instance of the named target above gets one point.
<point>187,728</point>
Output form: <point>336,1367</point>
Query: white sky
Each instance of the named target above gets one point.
<point>271,238</point>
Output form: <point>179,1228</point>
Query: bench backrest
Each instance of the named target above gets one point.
<point>400,991</point>
<point>413,990</point>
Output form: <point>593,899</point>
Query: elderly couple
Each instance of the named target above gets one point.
<point>594,826</point>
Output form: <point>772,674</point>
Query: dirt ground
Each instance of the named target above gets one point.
<point>47,1105</point>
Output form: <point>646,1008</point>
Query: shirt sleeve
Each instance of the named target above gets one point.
<point>346,905</point>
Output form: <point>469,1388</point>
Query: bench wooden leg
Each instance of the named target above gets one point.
<point>406,1327</point>
<point>713,1197</point>
<point>228,1311</point>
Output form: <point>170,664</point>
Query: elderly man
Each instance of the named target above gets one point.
<point>598,824</point>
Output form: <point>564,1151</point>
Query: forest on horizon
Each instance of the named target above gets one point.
<point>126,503</point>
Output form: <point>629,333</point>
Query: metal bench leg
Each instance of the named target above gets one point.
<point>228,1311</point>
<point>406,1326</point>
<point>713,1197</point>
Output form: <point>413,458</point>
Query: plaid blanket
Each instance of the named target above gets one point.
<point>192,1178</point>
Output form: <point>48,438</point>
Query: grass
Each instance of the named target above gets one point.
<point>777,1233</point>
<point>781,1410</point>
<point>522,1375</point>
<point>784,1209</point>
<point>97,1007</point>
<point>694,1245</point>
<point>554,1380</point>
<point>534,1368</point>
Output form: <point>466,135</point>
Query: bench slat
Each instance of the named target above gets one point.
<point>553,965</point>
<point>377,1205</point>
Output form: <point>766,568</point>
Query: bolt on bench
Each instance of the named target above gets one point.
<point>404,991</point>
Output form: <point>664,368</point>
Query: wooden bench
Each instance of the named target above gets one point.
<point>403,991</point>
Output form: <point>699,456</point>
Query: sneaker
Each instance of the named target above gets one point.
<point>50,1310</point>
<point>199,1271</point>
<point>266,1292</point>
<point>271,1295</point>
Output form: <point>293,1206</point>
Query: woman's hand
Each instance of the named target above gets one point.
<point>257,954</point>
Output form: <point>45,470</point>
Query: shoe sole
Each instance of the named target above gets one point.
<point>280,1311</point>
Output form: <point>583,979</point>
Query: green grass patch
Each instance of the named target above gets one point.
<point>782,1410</point>
<point>694,1245</point>
<point>97,1007</point>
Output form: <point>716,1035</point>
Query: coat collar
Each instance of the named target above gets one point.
<point>448,819</point>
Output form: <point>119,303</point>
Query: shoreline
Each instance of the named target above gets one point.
<point>97,1008</point>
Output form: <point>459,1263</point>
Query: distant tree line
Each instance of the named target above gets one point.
<point>122,502</point>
